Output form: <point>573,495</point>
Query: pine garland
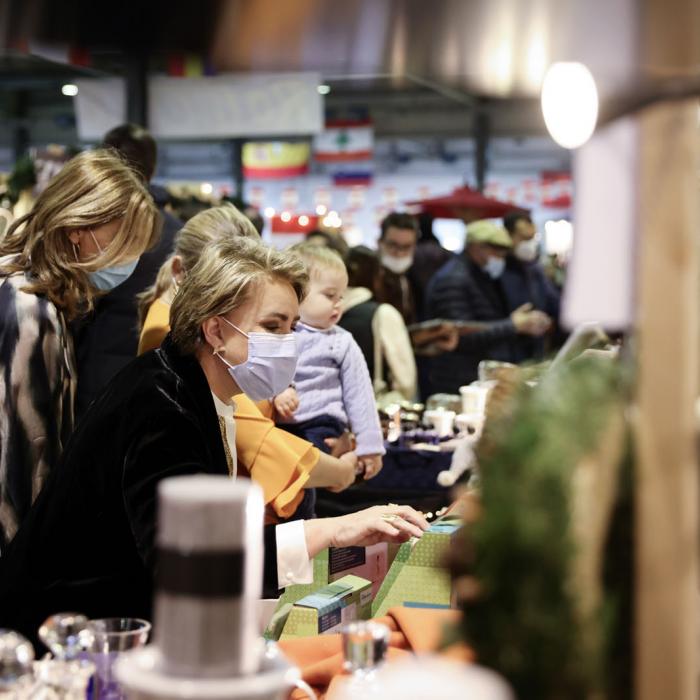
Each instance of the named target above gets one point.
<point>524,621</point>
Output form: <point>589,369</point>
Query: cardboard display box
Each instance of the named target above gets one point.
<point>418,576</point>
<point>327,609</point>
<point>371,563</point>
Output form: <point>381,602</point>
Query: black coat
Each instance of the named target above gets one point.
<point>462,291</point>
<point>527,283</point>
<point>88,542</point>
<point>107,340</point>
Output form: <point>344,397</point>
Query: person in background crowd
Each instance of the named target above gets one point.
<point>429,257</point>
<point>397,249</point>
<point>332,388</point>
<point>281,463</point>
<point>253,213</point>
<point>83,236</point>
<point>107,340</point>
<point>185,206</point>
<point>378,329</point>
<point>525,282</point>
<point>328,239</point>
<point>395,285</point>
<point>89,542</point>
<point>470,288</point>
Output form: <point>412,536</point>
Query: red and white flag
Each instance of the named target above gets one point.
<point>344,142</point>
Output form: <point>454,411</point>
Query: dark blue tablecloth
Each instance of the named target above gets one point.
<point>408,477</point>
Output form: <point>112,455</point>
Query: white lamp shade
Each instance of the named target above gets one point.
<point>569,103</point>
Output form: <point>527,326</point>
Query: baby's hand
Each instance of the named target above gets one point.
<point>286,403</point>
<point>372,465</point>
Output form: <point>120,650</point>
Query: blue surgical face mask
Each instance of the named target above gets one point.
<point>494,267</point>
<point>269,369</point>
<point>110,277</point>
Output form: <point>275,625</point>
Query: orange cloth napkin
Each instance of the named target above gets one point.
<point>412,630</point>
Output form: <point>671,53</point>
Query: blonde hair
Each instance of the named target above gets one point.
<point>225,277</point>
<point>218,223</point>
<point>94,188</point>
<point>318,257</point>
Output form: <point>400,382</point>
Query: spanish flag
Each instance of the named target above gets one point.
<point>267,160</point>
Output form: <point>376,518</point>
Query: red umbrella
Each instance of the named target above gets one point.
<point>466,204</point>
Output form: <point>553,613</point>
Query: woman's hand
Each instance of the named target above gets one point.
<point>377,524</point>
<point>371,465</point>
<point>347,470</point>
<point>345,442</point>
<point>367,527</point>
<point>286,403</point>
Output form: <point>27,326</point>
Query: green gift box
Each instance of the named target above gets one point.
<point>418,576</point>
<point>330,565</point>
<point>330,607</point>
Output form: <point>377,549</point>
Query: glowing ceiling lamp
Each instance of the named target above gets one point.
<point>569,103</point>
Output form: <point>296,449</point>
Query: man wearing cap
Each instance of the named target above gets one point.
<point>469,288</point>
<point>525,281</point>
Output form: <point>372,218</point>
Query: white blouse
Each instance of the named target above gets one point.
<point>293,562</point>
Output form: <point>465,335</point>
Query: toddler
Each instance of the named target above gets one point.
<point>332,389</point>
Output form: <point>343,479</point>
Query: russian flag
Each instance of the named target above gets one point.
<point>350,178</point>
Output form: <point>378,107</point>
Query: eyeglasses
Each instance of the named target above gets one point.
<point>400,248</point>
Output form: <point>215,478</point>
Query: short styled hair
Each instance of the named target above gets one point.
<point>510,220</point>
<point>226,276</point>
<point>136,146</point>
<point>400,220</point>
<point>363,267</point>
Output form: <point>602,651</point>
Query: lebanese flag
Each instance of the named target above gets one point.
<point>344,141</point>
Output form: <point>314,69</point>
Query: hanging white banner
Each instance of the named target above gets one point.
<point>100,105</point>
<point>600,279</point>
<point>223,106</point>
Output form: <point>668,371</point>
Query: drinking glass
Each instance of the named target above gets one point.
<point>110,637</point>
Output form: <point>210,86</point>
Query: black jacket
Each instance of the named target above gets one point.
<point>527,283</point>
<point>107,340</point>
<point>88,542</point>
<point>462,291</point>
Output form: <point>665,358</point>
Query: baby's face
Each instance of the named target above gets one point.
<point>322,306</point>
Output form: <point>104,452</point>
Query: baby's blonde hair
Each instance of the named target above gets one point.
<point>317,258</point>
<point>227,275</point>
<point>94,188</point>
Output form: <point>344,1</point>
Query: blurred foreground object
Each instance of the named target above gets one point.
<point>546,596</point>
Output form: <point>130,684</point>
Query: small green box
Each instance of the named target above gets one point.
<point>418,577</point>
<point>325,610</point>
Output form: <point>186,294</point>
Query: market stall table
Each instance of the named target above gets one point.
<point>408,477</point>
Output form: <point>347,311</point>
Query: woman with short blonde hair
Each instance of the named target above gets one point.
<point>82,237</point>
<point>211,294</point>
<point>90,539</point>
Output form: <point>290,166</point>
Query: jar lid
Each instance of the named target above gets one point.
<point>364,645</point>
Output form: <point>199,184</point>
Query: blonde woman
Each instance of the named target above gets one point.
<point>281,463</point>
<point>83,236</point>
<point>88,542</point>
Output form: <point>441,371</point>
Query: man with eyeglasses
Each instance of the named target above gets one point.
<point>397,249</point>
<point>398,242</point>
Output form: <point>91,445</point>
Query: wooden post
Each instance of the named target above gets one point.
<point>666,658</point>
